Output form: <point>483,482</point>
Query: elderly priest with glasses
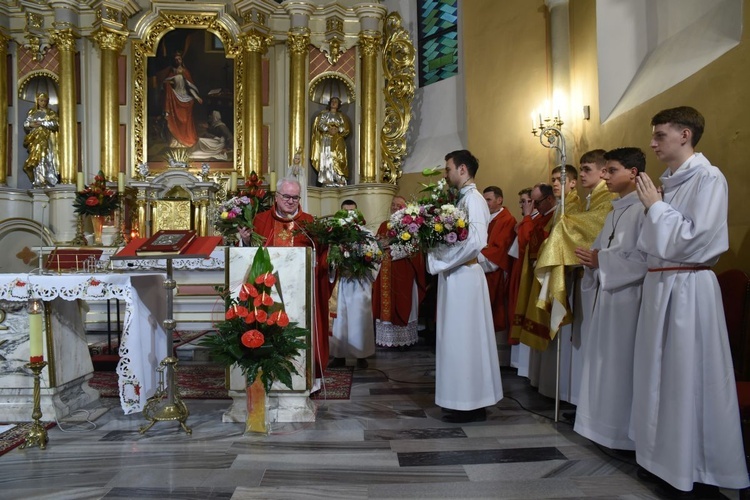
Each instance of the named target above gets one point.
<point>280,227</point>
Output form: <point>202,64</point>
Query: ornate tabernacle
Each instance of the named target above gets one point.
<point>177,199</point>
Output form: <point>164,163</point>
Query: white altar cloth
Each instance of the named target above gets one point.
<point>143,345</point>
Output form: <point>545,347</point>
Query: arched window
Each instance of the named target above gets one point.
<point>438,40</point>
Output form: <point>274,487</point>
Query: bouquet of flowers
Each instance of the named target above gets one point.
<point>240,210</point>
<point>256,333</point>
<point>96,198</point>
<point>431,221</point>
<point>352,248</point>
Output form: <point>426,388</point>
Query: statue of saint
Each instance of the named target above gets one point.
<point>298,172</point>
<point>328,155</point>
<point>41,126</point>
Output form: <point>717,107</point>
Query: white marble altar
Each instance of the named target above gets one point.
<point>293,266</point>
<point>142,348</point>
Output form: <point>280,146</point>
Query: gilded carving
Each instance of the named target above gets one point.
<point>369,44</point>
<point>298,42</point>
<point>168,21</point>
<point>109,40</point>
<point>34,20</point>
<point>255,41</point>
<point>65,40</point>
<point>398,71</point>
<point>334,24</point>
<point>261,18</point>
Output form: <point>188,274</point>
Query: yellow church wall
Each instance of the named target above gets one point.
<point>505,56</point>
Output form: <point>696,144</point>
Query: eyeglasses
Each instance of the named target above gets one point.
<point>289,197</point>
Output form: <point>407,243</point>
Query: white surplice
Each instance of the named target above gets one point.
<point>685,419</point>
<point>467,370</point>
<point>614,292</point>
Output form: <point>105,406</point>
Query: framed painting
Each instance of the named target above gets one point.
<point>190,105</point>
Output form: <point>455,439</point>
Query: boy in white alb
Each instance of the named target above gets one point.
<point>613,283</point>
<point>685,420</point>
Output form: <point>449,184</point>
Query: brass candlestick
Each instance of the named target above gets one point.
<point>37,435</point>
<point>120,240</point>
<point>79,240</point>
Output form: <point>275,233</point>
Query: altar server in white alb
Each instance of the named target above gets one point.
<point>354,328</point>
<point>613,283</point>
<point>467,370</point>
<point>685,423</point>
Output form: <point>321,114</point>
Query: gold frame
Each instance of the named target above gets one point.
<point>147,47</point>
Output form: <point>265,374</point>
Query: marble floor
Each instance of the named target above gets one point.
<point>387,441</point>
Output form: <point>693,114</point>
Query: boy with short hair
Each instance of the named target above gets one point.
<point>686,421</point>
<point>612,283</point>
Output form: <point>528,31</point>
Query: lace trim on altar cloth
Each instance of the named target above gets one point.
<point>389,335</point>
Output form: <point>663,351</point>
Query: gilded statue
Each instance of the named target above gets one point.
<point>328,156</point>
<point>41,126</point>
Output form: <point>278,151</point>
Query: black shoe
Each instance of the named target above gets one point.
<point>337,363</point>
<point>570,416</point>
<point>362,363</point>
<point>701,490</point>
<point>463,417</point>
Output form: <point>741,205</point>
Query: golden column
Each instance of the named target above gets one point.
<point>254,45</point>
<point>3,109</point>
<point>110,43</point>
<point>66,45</point>
<point>369,46</point>
<point>298,43</point>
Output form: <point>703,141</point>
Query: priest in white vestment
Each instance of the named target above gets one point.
<point>467,370</point>
<point>686,421</point>
<point>612,283</point>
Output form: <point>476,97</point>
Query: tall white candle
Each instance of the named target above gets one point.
<point>233,182</point>
<point>80,186</point>
<point>36,353</point>
<point>272,181</point>
<point>121,182</point>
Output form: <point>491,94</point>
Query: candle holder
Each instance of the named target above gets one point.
<point>37,435</point>
<point>120,239</point>
<point>79,240</point>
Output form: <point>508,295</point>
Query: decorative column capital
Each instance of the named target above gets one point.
<point>551,4</point>
<point>108,39</point>
<point>65,40</point>
<point>255,41</point>
<point>298,41</point>
<point>369,43</point>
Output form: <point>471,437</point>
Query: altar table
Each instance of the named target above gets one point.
<point>143,343</point>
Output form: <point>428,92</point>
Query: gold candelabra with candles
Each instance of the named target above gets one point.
<point>549,131</point>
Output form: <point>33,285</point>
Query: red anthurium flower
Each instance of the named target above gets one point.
<point>267,300</point>
<point>250,318</point>
<point>267,279</point>
<point>247,290</point>
<point>253,339</point>
<point>236,311</point>
<point>261,316</point>
<point>92,201</point>
<point>230,314</point>
<point>283,319</point>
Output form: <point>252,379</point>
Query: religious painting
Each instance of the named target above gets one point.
<point>190,105</point>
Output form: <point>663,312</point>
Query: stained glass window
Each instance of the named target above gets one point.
<point>438,40</point>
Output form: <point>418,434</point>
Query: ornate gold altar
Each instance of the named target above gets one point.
<point>232,85</point>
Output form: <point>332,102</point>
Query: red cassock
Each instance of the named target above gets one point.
<point>279,232</point>
<point>500,236</point>
<point>391,292</point>
<point>531,233</point>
